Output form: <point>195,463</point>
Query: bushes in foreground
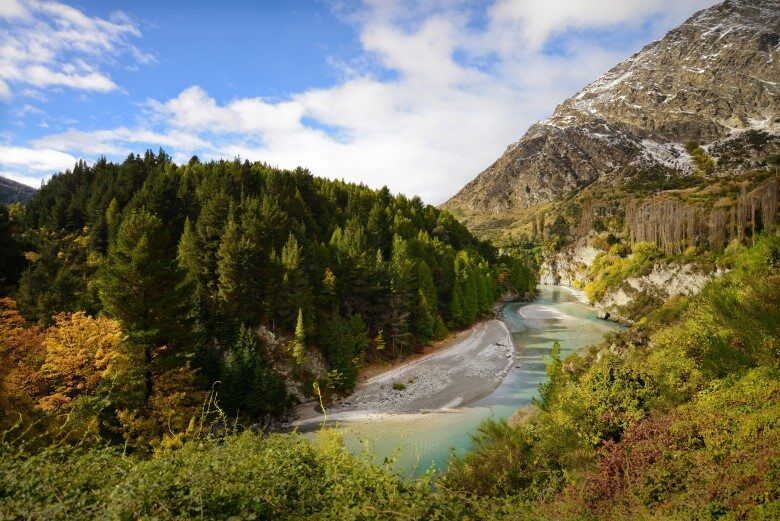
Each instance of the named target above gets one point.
<point>247,476</point>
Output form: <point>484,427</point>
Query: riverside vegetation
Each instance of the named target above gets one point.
<point>136,290</point>
<point>675,418</point>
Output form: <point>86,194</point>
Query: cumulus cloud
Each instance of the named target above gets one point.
<point>436,96</point>
<point>12,9</point>
<point>44,159</point>
<point>50,44</point>
<point>117,141</point>
<point>533,22</point>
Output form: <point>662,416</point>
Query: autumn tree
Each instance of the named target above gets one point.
<point>79,349</point>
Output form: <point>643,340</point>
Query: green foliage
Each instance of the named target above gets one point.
<point>140,283</point>
<point>223,244</point>
<point>246,477</point>
<point>249,386</point>
<point>11,261</point>
<point>60,276</point>
<point>676,419</point>
<point>609,270</point>
<point>548,389</point>
<point>299,341</point>
<point>703,162</point>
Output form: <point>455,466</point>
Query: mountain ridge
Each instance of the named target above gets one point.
<point>708,80</point>
<point>14,192</point>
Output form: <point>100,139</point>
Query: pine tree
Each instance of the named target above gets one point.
<point>112,220</point>
<point>484,293</point>
<point>358,332</point>
<point>188,253</point>
<point>249,385</point>
<point>298,347</point>
<point>456,306</point>
<point>230,266</point>
<point>296,291</point>
<point>469,301</point>
<point>142,287</point>
<point>422,319</point>
<point>209,229</point>
<point>340,349</point>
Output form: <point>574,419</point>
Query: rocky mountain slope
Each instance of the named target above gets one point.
<point>709,80</point>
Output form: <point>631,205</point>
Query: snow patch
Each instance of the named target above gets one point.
<point>671,155</point>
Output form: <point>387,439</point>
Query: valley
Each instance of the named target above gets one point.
<point>419,434</point>
<point>587,330</point>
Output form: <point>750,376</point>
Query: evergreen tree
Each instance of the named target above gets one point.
<point>422,318</point>
<point>358,332</point>
<point>249,385</point>
<point>142,287</point>
<point>456,307</point>
<point>469,300</point>
<point>340,347</point>
<point>112,220</point>
<point>188,253</point>
<point>230,267</point>
<point>298,347</point>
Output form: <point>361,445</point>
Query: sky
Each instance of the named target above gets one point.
<point>419,96</point>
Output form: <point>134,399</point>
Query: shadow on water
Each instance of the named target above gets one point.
<point>419,442</point>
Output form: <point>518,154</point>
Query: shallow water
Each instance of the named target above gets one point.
<point>423,441</point>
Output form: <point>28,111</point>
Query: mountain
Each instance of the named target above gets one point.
<point>714,81</point>
<point>13,192</point>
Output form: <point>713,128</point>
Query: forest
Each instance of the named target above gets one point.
<point>136,294</point>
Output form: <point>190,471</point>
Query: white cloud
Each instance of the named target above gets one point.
<point>118,141</point>
<point>42,159</point>
<point>435,97</point>
<point>534,22</point>
<point>49,44</point>
<point>12,9</point>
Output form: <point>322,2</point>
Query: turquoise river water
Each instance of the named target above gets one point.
<point>419,442</point>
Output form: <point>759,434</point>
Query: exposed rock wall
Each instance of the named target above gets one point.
<point>570,268</point>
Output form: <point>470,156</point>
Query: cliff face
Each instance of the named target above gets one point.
<point>708,80</point>
<point>570,267</point>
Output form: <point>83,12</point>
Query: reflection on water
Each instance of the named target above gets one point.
<point>422,441</point>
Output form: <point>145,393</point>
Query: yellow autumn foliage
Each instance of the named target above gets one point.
<point>79,349</point>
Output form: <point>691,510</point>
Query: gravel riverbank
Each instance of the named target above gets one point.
<point>471,367</point>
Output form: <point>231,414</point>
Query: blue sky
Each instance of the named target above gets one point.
<point>417,95</point>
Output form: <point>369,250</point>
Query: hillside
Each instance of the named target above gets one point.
<point>263,286</point>
<point>13,192</point>
<point>698,107</point>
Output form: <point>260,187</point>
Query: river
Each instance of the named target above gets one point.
<point>418,442</point>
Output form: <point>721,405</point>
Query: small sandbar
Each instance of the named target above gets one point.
<point>533,312</point>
